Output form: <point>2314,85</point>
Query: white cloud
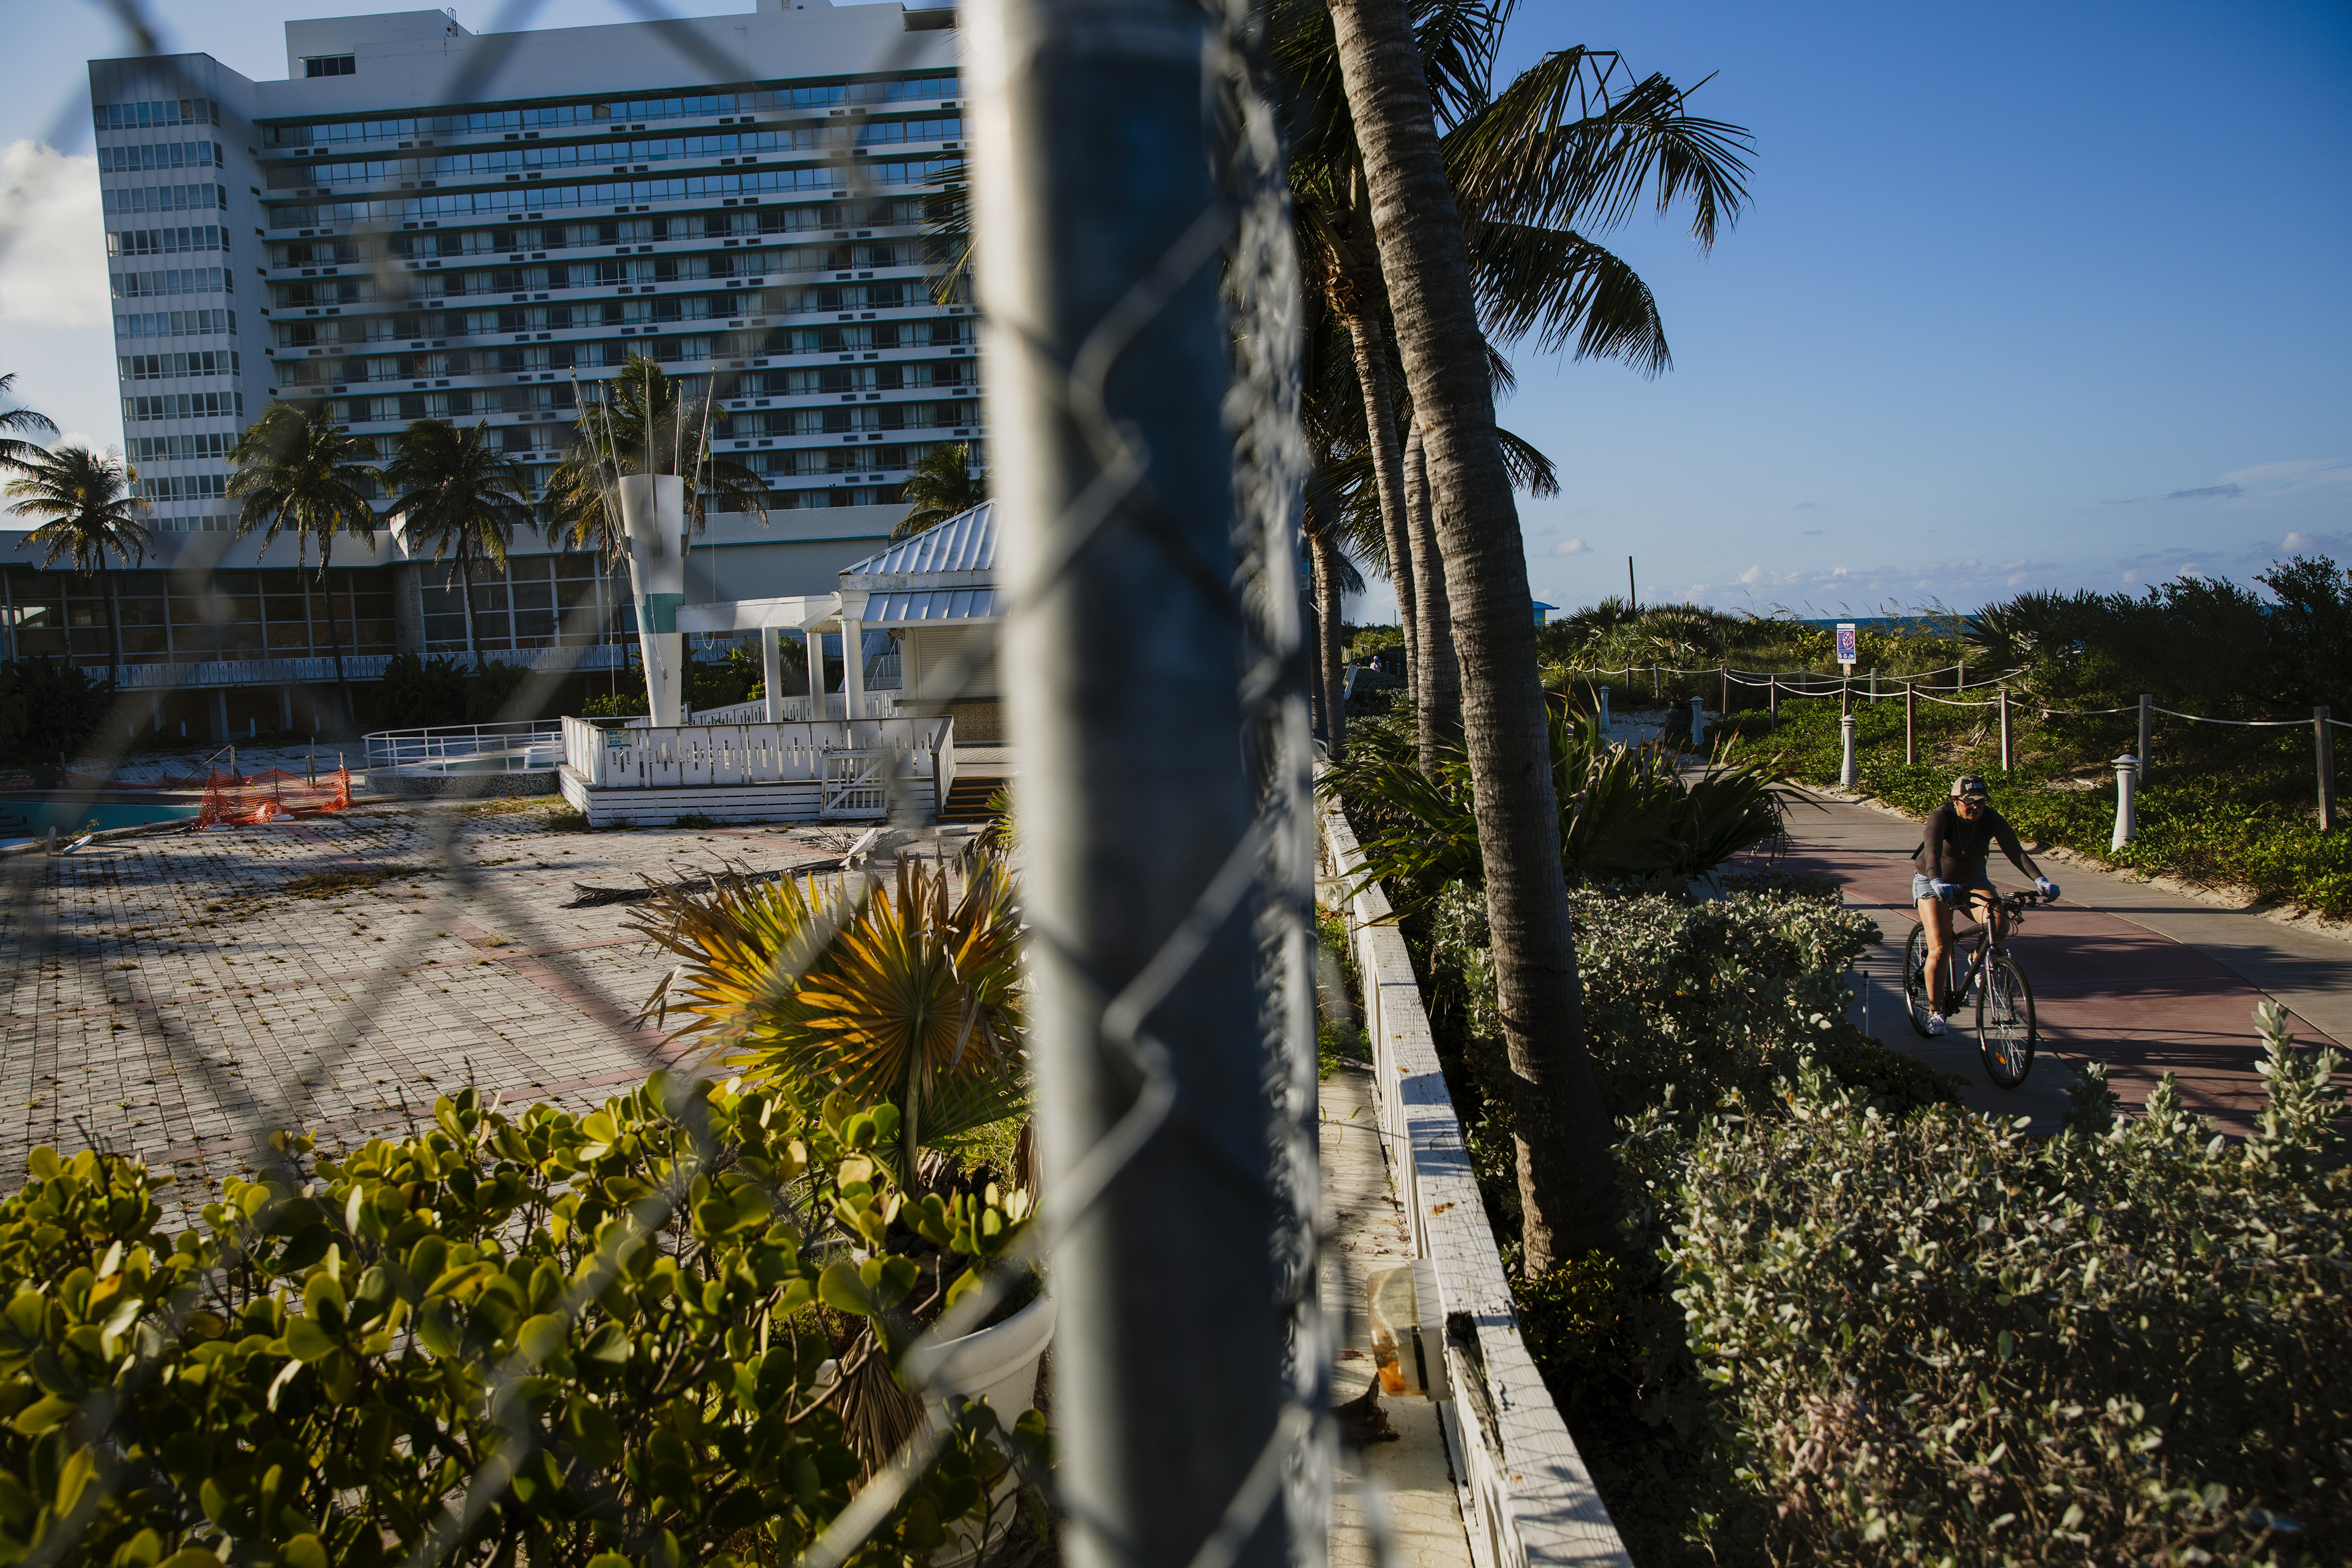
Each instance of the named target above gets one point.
<point>1752,576</point>
<point>2301,474</point>
<point>1571,547</point>
<point>76,438</point>
<point>53,255</point>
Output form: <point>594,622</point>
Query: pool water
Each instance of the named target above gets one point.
<point>26,817</point>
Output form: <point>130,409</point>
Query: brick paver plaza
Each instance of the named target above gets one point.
<point>172,994</point>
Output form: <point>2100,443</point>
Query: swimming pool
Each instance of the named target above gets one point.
<point>28,817</point>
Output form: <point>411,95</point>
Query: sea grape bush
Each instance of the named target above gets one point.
<point>1933,1339</point>
<point>598,1340</point>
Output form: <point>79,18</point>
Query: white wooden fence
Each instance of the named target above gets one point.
<point>1527,1497</point>
<point>858,765</point>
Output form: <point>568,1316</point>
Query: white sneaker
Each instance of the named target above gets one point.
<point>1935,1023</point>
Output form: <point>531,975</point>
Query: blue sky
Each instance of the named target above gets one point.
<point>2028,295</point>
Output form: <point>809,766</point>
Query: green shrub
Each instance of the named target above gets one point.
<point>419,693</point>
<point>1933,1339</point>
<point>1694,1000</point>
<point>496,1340</point>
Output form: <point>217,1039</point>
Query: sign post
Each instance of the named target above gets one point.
<point>1845,651</point>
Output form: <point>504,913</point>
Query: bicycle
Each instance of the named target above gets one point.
<point>2006,1034</point>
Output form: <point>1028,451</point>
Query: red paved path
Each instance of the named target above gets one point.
<point>2105,988</point>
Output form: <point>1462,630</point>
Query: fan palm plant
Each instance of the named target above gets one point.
<point>457,494</point>
<point>905,994</point>
<point>643,421</point>
<point>302,472</point>
<point>13,447</point>
<point>943,484</point>
<point>90,510</point>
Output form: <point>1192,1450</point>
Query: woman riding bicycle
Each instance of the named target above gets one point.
<point>1949,864</point>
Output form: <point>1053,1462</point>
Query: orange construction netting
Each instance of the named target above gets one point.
<point>247,798</point>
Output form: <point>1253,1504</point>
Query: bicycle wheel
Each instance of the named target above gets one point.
<point>1915,979</point>
<point>2005,1032</point>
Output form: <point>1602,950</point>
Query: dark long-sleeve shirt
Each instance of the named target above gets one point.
<point>1955,849</point>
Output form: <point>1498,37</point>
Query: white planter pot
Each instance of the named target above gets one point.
<point>998,1364</point>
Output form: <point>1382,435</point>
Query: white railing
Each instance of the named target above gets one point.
<point>517,746</point>
<point>790,710</point>
<point>1527,1498</point>
<point>902,752</point>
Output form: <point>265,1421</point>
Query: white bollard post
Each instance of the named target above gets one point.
<point>1847,778</point>
<point>1698,724</point>
<point>1604,712</point>
<point>2126,810</point>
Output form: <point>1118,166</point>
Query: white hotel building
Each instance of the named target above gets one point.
<point>420,221</point>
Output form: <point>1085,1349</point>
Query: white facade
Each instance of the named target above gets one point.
<point>423,222</point>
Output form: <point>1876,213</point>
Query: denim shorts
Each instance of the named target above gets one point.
<point>1925,886</point>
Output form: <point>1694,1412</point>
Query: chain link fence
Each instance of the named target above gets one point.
<point>1239,925</point>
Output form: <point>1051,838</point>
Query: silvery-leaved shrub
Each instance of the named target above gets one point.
<point>1933,1339</point>
<point>1703,997</point>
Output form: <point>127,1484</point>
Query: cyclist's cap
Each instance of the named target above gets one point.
<point>1969,787</point>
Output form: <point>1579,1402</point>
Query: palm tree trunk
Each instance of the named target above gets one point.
<point>1567,1178</point>
<point>1367,336</point>
<point>466,579</point>
<point>1330,683</point>
<point>1437,696</point>
<point>335,636</point>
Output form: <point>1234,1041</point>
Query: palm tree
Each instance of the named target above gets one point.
<point>12,449</point>
<point>454,490</point>
<point>87,497</point>
<point>944,484</point>
<point>1561,1130</point>
<point>304,472</point>
<point>643,421</point>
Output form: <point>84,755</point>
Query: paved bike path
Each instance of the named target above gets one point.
<point>2123,972</point>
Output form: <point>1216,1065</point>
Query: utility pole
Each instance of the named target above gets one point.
<point>1170,1262</point>
<point>1631,603</point>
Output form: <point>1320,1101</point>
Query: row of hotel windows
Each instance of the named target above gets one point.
<point>184,405</point>
<point>164,198</point>
<point>148,115</point>
<point>536,601</point>
<point>346,251</point>
<point>726,146</point>
<point>232,615</point>
<point>956,335</point>
<point>176,324</point>
<point>735,308</point>
<point>747,186</point>
<point>174,367</point>
<point>324,285</point>
<point>172,280</point>
<point>607,112</point>
<point>869,339</point>
<point>144,155</point>
<point>165,241</point>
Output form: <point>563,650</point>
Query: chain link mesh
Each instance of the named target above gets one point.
<point>1268,872</point>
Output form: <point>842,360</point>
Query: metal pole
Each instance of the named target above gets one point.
<point>1100,316</point>
<point>2146,719</point>
<point>1910,724</point>
<point>1726,690</point>
<point>2324,733</point>
<point>2004,730</point>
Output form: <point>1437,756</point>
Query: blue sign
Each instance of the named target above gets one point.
<point>1845,641</point>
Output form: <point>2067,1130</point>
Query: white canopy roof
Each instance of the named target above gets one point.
<point>944,576</point>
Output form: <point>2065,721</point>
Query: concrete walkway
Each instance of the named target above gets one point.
<point>1405,1487</point>
<point>2123,972</point>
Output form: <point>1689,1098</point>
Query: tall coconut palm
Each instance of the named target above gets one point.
<point>299,470</point>
<point>465,498</point>
<point>13,447</point>
<point>943,484</point>
<point>91,510</point>
<point>1560,1128</point>
<point>644,422</point>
